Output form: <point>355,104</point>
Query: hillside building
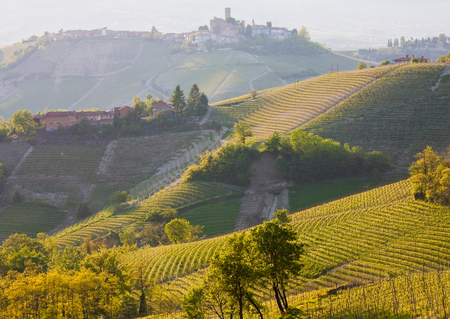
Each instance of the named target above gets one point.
<point>66,119</point>
<point>162,106</point>
<point>407,59</point>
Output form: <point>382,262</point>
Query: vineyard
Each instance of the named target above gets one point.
<point>175,196</point>
<point>286,108</point>
<point>11,153</point>
<point>362,239</point>
<point>399,114</point>
<point>143,155</point>
<point>60,160</point>
<point>28,218</point>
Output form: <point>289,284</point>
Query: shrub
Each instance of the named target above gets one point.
<point>119,197</point>
<point>83,210</point>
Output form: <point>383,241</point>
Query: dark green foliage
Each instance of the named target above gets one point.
<point>229,164</point>
<point>119,197</point>
<point>444,58</point>
<point>17,197</point>
<point>307,157</point>
<point>83,210</point>
<point>197,102</point>
<point>161,215</point>
<point>178,101</point>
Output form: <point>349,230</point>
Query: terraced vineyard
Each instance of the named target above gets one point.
<point>139,155</point>
<point>176,196</point>
<point>361,239</point>
<point>61,160</point>
<point>11,154</point>
<point>399,114</point>
<point>28,218</point>
<point>288,107</point>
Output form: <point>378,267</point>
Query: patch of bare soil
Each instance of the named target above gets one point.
<point>268,191</point>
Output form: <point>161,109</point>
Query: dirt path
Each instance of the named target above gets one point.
<point>221,83</point>
<point>81,99</point>
<point>268,191</point>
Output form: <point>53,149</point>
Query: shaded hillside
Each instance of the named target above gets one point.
<point>399,114</point>
<point>103,73</point>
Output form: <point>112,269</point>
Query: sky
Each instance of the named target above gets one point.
<point>340,25</point>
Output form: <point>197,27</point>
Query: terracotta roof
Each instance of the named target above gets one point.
<point>407,58</point>
<point>160,105</point>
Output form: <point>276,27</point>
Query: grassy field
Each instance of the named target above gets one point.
<point>217,219</point>
<point>310,194</point>
<point>28,218</point>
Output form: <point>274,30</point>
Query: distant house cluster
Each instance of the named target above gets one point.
<point>104,32</point>
<point>407,59</point>
<point>66,119</point>
<point>227,31</point>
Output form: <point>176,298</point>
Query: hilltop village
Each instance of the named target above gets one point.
<point>220,31</point>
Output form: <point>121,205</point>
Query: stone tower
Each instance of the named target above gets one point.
<point>227,13</point>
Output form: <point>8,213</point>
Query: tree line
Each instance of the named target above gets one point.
<point>139,122</point>
<point>300,156</point>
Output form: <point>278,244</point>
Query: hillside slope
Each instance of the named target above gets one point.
<point>400,114</point>
<point>103,73</point>
<point>285,108</point>
<point>360,239</point>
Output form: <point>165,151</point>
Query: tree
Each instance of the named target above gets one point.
<point>426,175</point>
<point>402,41</point>
<point>193,100</point>
<point>242,131</point>
<point>269,24</point>
<point>22,122</point>
<point>278,252</point>
<point>386,62</point>
<point>82,210</point>
<point>203,28</point>
<point>119,197</point>
<point>236,273</point>
<point>178,230</point>
<point>442,38</point>
<point>361,66</point>
<point>192,304</point>
<point>304,33</point>
<point>138,106</point>
<point>414,60</point>
<point>396,43</point>
<point>177,100</point>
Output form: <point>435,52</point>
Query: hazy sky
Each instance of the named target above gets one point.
<point>338,24</point>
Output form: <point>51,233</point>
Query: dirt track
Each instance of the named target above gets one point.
<point>268,191</point>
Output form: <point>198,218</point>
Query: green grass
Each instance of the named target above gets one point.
<point>310,194</point>
<point>217,219</point>
<point>28,218</point>
<point>11,154</point>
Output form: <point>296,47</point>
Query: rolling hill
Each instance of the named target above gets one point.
<point>103,73</point>
<point>372,248</point>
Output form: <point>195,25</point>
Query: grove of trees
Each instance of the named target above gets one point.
<point>300,156</point>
